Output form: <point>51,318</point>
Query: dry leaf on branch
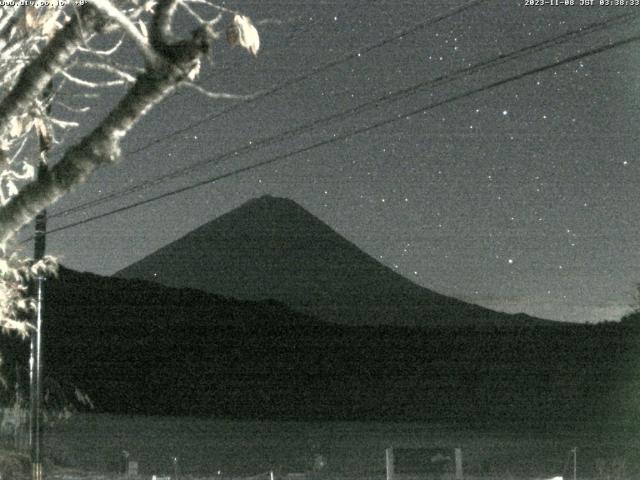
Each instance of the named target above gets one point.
<point>242,32</point>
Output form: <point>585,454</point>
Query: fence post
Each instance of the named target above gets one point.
<point>459,473</point>
<point>389,462</point>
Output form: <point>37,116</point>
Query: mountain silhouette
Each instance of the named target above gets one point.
<point>273,248</point>
<point>139,347</point>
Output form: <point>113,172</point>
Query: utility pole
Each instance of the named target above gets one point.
<point>35,360</point>
<point>35,387</point>
<point>575,462</point>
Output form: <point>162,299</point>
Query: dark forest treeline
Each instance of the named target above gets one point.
<point>137,347</point>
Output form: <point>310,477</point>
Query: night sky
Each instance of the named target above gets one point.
<point>522,197</point>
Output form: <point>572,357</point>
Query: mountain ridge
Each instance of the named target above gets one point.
<point>271,247</point>
<point>138,347</point>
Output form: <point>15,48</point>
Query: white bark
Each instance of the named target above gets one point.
<point>102,145</point>
<point>37,75</point>
<point>168,63</point>
<point>112,12</point>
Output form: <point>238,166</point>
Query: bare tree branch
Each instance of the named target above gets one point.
<point>7,24</point>
<point>108,9</point>
<point>35,77</point>
<point>102,145</point>
<point>89,84</point>
<point>105,53</point>
<point>160,33</point>
<point>216,95</point>
<point>112,68</point>
<point>35,49</point>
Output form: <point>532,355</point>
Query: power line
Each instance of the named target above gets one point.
<point>357,131</point>
<point>284,85</point>
<point>311,73</point>
<point>375,103</point>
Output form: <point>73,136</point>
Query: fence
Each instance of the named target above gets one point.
<point>429,462</point>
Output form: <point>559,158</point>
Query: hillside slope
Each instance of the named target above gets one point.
<point>140,347</point>
<point>273,248</point>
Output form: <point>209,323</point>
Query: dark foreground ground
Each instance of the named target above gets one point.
<point>249,450</point>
